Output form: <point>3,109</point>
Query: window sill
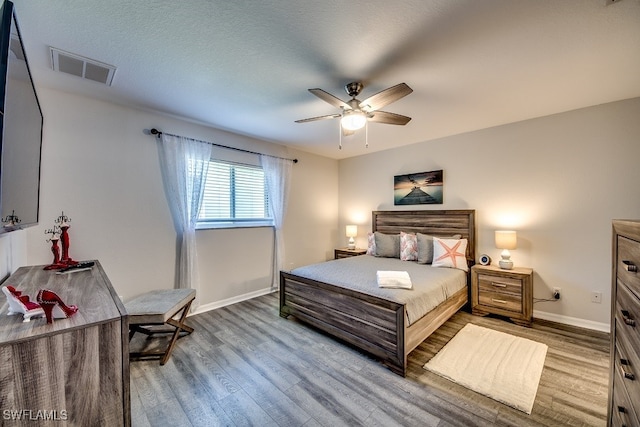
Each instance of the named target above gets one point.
<point>230,224</point>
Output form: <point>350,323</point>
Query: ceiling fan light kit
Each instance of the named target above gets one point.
<point>353,120</point>
<point>355,113</point>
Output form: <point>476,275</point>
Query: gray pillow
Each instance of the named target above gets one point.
<point>388,245</point>
<point>425,247</point>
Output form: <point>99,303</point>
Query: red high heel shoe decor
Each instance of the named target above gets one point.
<point>19,303</point>
<point>53,306</point>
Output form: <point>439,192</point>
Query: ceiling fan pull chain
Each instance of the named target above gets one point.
<point>340,134</point>
<point>366,134</point>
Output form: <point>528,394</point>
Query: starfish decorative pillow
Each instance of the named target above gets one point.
<point>450,253</point>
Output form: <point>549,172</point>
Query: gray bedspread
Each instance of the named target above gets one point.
<point>431,285</point>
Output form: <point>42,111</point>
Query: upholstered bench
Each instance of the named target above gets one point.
<point>153,313</point>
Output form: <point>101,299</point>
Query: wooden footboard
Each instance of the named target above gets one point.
<point>372,324</point>
<point>367,322</point>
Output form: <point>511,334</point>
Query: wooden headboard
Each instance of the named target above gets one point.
<point>437,223</point>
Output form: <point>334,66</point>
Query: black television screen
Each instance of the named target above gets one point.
<point>21,130</point>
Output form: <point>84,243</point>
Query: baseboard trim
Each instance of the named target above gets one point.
<point>572,321</point>
<point>225,302</point>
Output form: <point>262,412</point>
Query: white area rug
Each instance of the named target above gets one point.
<point>501,366</point>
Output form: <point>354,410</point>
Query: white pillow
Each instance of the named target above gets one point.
<point>371,244</point>
<point>425,247</point>
<point>450,253</point>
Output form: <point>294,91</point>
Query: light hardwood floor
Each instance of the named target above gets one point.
<point>245,365</point>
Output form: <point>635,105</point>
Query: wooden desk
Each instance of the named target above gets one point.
<point>76,369</point>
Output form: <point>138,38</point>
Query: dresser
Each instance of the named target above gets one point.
<point>624,378</point>
<point>506,293</point>
<point>74,371</point>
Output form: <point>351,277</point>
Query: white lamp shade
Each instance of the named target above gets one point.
<point>353,120</point>
<point>352,230</point>
<point>506,239</point>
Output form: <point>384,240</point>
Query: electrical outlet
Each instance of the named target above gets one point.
<point>596,297</point>
<point>556,293</point>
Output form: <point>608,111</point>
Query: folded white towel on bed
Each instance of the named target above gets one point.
<point>394,279</point>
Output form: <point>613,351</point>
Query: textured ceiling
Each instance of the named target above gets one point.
<point>245,66</point>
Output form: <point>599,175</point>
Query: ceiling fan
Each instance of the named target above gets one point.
<point>356,113</point>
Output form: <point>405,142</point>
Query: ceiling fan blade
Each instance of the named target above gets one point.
<point>389,118</point>
<point>327,97</point>
<point>386,97</point>
<point>313,119</point>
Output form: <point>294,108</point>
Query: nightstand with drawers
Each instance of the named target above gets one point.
<point>346,252</point>
<point>506,293</point>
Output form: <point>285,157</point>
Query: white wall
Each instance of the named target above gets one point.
<point>102,170</point>
<point>557,180</point>
<point>13,252</point>
<point>312,217</point>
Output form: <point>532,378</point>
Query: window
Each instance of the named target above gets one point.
<point>234,195</point>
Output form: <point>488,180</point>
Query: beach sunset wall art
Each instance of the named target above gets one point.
<point>423,188</point>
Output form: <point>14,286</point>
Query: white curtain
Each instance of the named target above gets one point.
<point>184,164</point>
<point>277,173</point>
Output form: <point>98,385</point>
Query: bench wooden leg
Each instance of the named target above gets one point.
<point>177,324</point>
<point>180,326</point>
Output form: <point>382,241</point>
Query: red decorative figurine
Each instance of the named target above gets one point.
<point>60,232</point>
<point>55,249</point>
<point>64,221</point>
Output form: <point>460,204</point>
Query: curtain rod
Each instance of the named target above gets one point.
<point>156,132</point>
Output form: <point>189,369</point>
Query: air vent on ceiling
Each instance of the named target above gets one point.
<point>80,66</point>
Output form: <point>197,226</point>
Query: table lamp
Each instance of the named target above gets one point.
<point>352,231</point>
<point>506,240</point>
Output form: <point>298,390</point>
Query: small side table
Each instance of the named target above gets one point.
<point>346,252</point>
<point>506,293</point>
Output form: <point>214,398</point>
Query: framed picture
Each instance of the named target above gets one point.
<point>424,188</point>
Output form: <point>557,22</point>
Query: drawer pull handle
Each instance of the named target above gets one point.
<point>627,318</point>
<point>498,285</point>
<point>501,301</point>
<point>629,266</point>
<point>622,409</point>
<point>626,374</point>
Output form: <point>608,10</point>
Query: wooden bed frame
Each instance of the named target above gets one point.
<point>370,323</point>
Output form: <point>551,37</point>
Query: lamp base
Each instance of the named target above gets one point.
<point>506,264</point>
<point>352,244</point>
